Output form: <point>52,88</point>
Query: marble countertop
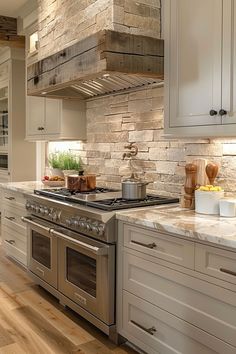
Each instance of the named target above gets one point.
<point>27,187</point>
<point>186,223</point>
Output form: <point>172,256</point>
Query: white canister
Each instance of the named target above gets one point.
<point>207,202</point>
<point>228,207</point>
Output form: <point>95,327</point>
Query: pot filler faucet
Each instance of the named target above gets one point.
<point>133,151</point>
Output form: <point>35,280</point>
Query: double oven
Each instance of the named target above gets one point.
<point>78,269</point>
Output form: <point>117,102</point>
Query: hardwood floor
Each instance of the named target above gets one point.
<point>33,322</point>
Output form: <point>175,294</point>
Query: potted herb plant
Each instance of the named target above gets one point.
<point>64,163</point>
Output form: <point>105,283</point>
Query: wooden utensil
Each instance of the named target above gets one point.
<point>212,171</point>
<point>201,177</point>
<point>190,184</point>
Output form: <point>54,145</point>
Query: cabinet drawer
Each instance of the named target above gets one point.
<point>156,244</point>
<point>216,262</point>
<point>13,198</point>
<point>11,217</point>
<point>157,331</point>
<point>200,303</point>
<point>14,238</point>
<point>15,253</point>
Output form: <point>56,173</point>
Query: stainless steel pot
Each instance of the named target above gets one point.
<point>133,188</point>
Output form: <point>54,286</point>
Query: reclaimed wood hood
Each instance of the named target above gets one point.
<point>103,63</point>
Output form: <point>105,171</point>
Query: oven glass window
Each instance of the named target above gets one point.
<point>81,271</point>
<point>41,249</point>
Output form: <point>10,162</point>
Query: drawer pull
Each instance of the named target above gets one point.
<point>10,198</point>
<point>148,245</point>
<point>11,242</point>
<point>11,218</point>
<point>223,270</point>
<point>151,330</point>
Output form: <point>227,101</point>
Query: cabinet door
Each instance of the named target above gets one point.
<point>52,116</point>
<point>193,37</point>
<point>35,115</point>
<point>229,62</point>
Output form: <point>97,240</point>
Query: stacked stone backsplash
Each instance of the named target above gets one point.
<point>137,117</point>
<point>62,23</point>
<point>130,117</point>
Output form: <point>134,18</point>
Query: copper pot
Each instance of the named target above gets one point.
<point>81,183</point>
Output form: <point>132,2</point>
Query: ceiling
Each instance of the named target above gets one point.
<point>11,7</point>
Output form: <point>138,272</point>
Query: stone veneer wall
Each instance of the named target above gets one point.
<point>130,117</point>
<point>137,117</point>
<point>62,23</point>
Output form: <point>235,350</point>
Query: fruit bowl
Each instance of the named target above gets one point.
<point>53,183</point>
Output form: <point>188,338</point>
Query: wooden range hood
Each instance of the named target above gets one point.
<point>103,63</point>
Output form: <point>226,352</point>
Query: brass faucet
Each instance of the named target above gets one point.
<point>133,150</point>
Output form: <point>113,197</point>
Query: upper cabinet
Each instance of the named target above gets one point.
<point>17,157</point>
<point>55,119</point>
<point>200,78</point>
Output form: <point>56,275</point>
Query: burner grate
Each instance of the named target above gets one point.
<point>65,194</point>
<point>120,203</point>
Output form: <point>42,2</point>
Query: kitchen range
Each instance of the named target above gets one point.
<point>72,248</point>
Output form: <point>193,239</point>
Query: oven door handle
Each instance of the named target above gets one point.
<point>30,220</point>
<point>99,251</point>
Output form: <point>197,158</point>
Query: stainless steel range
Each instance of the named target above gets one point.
<point>71,248</point>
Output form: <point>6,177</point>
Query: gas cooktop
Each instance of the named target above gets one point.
<point>104,198</point>
<point>120,203</point>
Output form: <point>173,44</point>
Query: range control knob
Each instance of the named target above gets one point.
<point>50,211</point>
<point>94,228</point>
<point>37,209</point>
<point>33,207</point>
<point>82,223</point>
<point>68,222</point>
<point>101,229</point>
<point>45,211</point>
<point>54,216</point>
<point>89,225</point>
<point>74,222</point>
<point>28,205</point>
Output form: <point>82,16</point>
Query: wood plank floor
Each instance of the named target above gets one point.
<point>33,322</point>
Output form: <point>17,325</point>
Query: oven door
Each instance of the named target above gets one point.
<point>86,272</point>
<point>42,250</point>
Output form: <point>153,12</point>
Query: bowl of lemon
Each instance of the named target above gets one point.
<point>207,199</point>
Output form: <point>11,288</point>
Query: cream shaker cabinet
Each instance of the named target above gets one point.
<point>172,295</point>
<point>200,79</point>
<point>17,156</point>
<point>55,119</point>
<point>13,230</point>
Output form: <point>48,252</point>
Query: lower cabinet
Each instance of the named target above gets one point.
<point>156,331</point>
<point>13,230</point>
<point>165,308</point>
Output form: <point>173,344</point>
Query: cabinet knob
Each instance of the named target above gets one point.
<point>213,112</point>
<point>222,112</point>
<point>40,128</point>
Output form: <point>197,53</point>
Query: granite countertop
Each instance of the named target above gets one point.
<point>27,187</point>
<point>186,223</point>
